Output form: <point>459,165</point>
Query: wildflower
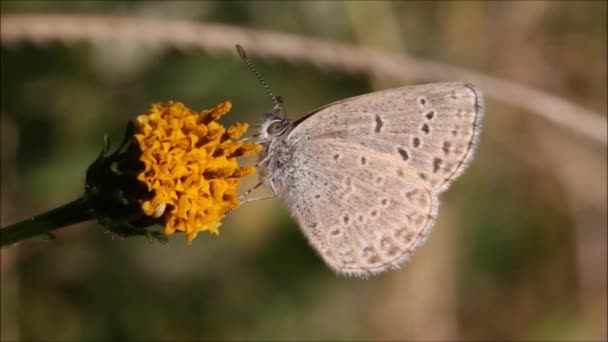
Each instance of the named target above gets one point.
<point>176,167</point>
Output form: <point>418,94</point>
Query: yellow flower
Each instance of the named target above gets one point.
<point>190,166</point>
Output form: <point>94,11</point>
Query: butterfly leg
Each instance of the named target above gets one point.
<point>250,190</point>
<point>251,199</point>
<point>263,161</point>
<point>257,199</point>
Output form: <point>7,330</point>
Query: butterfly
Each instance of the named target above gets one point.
<point>362,176</point>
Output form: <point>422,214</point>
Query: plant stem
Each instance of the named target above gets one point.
<point>67,214</point>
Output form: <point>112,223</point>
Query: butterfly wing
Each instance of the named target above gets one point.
<point>365,172</point>
<point>363,212</point>
<point>433,128</point>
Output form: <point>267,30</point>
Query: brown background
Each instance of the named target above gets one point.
<point>519,250</point>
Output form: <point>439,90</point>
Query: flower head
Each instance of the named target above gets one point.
<point>177,167</point>
<point>190,164</point>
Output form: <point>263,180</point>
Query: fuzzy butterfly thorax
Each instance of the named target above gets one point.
<point>275,155</point>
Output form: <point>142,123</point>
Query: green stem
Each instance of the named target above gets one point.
<point>70,213</point>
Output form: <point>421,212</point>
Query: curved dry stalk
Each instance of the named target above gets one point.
<point>215,38</point>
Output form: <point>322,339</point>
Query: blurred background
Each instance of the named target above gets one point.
<point>519,249</point>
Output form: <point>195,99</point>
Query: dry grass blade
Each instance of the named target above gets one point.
<point>216,38</point>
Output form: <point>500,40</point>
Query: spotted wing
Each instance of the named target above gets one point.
<point>364,212</point>
<point>433,128</point>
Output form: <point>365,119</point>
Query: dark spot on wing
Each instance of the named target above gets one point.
<point>373,259</point>
<point>393,250</point>
<point>425,128</point>
<point>404,155</point>
<point>379,124</point>
<point>416,141</point>
<point>446,147</point>
<point>436,164</point>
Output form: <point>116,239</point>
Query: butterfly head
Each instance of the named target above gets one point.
<point>274,125</point>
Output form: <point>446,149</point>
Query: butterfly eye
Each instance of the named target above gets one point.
<point>276,127</point>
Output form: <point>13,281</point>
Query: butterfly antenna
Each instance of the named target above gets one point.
<point>278,101</point>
